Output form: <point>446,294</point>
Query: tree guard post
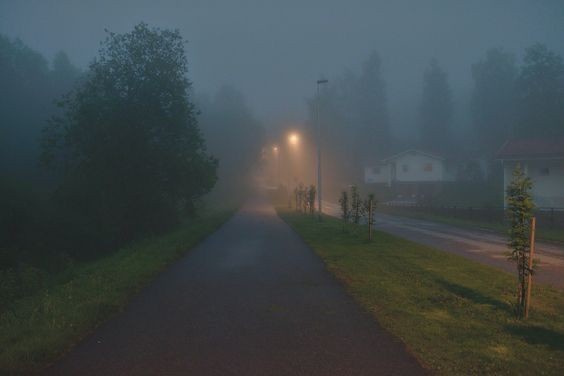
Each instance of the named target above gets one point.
<point>530,265</point>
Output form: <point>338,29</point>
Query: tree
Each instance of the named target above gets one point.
<point>234,135</point>
<point>345,207</point>
<point>374,136</point>
<point>311,193</point>
<point>356,205</point>
<point>369,206</point>
<point>25,101</point>
<point>436,109</point>
<point>541,93</point>
<point>493,99</point>
<point>64,74</point>
<point>520,207</point>
<point>128,142</point>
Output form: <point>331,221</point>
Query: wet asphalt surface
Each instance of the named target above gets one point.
<point>252,299</point>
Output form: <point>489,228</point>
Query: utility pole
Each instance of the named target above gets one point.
<point>319,199</point>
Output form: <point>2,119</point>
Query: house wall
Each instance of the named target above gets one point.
<point>416,171</point>
<point>377,174</point>
<point>547,177</point>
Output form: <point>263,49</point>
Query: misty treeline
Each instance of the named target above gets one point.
<point>90,160</point>
<point>510,98</point>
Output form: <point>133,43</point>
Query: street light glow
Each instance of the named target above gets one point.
<point>293,138</point>
<point>275,149</point>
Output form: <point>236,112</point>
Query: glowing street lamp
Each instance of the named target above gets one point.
<point>293,139</point>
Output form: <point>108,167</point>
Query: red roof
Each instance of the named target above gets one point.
<point>540,148</point>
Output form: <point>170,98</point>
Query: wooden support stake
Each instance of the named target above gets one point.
<point>529,276</point>
<point>370,214</point>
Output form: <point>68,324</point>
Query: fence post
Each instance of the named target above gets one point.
<point>530,266</point>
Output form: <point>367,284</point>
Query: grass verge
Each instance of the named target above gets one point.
<point>454,314</point>
<point>547,234</point>
<point>37,329</point>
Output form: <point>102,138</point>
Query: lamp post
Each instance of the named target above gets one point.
<point>319,208</point>
<point>277,154</point>
<point>293,140</point>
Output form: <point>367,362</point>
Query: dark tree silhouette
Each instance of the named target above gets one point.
<point>541,94</point>
<point>494,100</point>
<point>128,143</point>
<point>374,136</point>
<point>436,109</point>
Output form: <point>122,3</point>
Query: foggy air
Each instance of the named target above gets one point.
<point>281,187</point>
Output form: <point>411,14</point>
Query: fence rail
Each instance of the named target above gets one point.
<point>546,217</point>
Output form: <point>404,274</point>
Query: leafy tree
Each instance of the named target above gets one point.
<point>541,93</point>
<point>436,109</point>
<point>374,136</point>
<point>369,206</point>
<point>493,99</point>
<point>356,205</point>
<point>234,135</point>
<point>128,142</point>
<point>354,119</point>
<point>520,207</point>
<point>64,74</point>
<point>25,101</point>
<point>311,193</point>
<point>345,207</point>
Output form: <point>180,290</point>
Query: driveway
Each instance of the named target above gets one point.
<point>252,299</point>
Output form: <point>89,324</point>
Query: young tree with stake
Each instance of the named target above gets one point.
<point>520,206</point>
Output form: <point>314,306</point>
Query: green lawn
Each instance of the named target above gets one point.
<point>455,315</point>
<point>550,234</point>
<point>37,329</point>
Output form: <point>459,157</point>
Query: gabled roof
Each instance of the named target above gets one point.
<point>540,148</point>
<point>427,153</point>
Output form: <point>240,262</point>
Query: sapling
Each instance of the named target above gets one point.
<point>311,198</point>
<point>345,208</point>
<point>356,205</point>
<point>520,211</point>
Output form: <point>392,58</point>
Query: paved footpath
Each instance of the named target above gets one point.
<point>252,299</point>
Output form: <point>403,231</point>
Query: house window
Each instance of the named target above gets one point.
<point>405,168</point>
<point>376,170</point>
<point>544,171</point>
<point>428,167</point>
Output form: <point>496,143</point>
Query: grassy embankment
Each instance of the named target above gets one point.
<point>455,315</point>
<point>549,234</point>
<point>37,329</point>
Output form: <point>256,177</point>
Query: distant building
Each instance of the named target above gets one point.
<point>543,161</point>
<point>412,174</point>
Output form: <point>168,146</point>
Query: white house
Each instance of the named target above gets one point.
<point>543,161</point>
<point>412,173</point>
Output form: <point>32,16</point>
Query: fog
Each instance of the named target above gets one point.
<point>168,106</point>
<point>273,51</point>
<point>241,139</point>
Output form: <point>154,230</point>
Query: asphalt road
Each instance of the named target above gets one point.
<point>480,245</point>
<point>252,299</point>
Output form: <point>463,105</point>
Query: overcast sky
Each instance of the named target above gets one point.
<point>273,51</point>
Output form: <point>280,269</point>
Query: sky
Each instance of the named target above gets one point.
<point>274,51</point>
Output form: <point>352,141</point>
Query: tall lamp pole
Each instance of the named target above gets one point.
<point>319,207</point>
<point>277,154</point>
